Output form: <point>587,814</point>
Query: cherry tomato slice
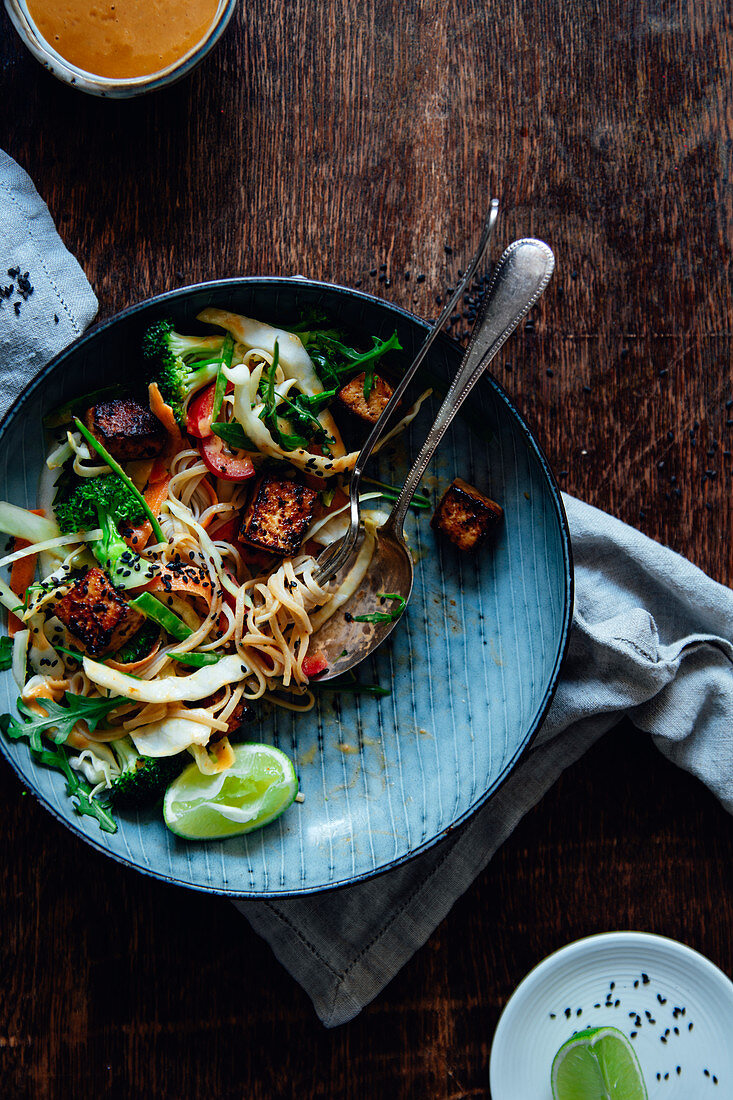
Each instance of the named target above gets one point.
<point>222,463</point>
<point>198,415</point>
<point>314,664</point>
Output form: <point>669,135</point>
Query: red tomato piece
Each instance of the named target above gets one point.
<point>198,415</point>
<point>222,463</point>
<point>228,531</point>
<point>314,664</point>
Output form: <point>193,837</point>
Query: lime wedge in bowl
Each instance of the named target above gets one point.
<point>597,1064</point>
<point>258,787</point>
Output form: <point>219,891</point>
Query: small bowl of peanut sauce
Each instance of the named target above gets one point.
<point>119,48</point>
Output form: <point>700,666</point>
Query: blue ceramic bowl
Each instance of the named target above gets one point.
<point>472,666</point>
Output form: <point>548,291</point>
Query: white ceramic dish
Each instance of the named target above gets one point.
<point>674,1004</point>
<point>113,87</point>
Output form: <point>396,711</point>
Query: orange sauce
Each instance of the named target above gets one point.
<point>123,38</point>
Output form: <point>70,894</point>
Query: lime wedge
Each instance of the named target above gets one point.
<point>597,1064</point>
<point>260,784</point>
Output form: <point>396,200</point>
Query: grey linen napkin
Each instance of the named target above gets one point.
<point>652,640</point>
<point>45,299</point>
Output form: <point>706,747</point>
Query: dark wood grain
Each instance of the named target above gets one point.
<point>329,139</point>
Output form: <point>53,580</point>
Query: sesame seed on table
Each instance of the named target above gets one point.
<point>605,130</point>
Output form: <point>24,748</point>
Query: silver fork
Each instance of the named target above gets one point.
<point>335,556</point>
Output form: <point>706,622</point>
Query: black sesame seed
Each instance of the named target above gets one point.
<point>634,1034</point>
<point>645,979</point>
<point>419,278</point>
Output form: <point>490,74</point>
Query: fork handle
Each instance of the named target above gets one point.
<point>519,279</point>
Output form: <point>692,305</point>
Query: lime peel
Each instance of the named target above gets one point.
<point>259,786</point>
<point>597,1063</point>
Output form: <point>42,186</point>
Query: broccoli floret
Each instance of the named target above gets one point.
<point>106,502</point>
<point>110,494</point>
<point>139,644</point>
<point>143,778</point>
<point>180,364</point>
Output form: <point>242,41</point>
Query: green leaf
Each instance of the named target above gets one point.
<point>233,435</point>
<point>269,413</point>
<point>60,718</point>
<point>384,616</point>
<point>57,757</point>
<point>6,654</point>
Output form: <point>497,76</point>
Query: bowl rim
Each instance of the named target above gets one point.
<point>92,333</point>
<point>107,86</point>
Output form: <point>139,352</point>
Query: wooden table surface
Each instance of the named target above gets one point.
<point>330,139</point>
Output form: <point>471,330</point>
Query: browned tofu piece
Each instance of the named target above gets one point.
<point>127,429</point>
<point>465,515</point>
<point>350,399</point>
<point>278,514</point>
<point>96,616</point>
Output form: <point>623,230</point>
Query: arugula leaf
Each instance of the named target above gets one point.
<point>233,435</point>
<point>333,358</point>
<point>384,616</point>
<point>269,413</point>
<point>60,718</point>
<point>303,414</point>
<point>57,757</point>
<point>6,654</point>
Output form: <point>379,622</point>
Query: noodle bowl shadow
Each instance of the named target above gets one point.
<point>473,664</point>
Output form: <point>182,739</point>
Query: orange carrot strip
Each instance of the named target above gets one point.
<point>154,495</point>
<point>167,418</point>
<point>168,580</point>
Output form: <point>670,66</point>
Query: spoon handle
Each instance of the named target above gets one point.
<point>519,279</point>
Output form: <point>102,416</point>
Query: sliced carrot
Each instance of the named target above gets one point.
<point>22,576</point>
<point>188,580</point>
<point>155,494</point>
<point>167,418</point>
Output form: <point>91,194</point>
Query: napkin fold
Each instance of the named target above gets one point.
<point>651,640</point>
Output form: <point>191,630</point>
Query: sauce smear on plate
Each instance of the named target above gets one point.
<point>123,38</point>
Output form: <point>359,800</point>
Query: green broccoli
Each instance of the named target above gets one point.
<point>181,364</point>
<point>143,778</point>
<point>106,502</point>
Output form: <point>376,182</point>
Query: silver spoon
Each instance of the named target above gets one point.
<point>519,280</point>
<point>334,557</point>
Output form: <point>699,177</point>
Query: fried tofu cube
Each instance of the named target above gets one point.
<point>127,429</point>
<point>365,412</point>
<point>96,616</point>
<point>278,514</point>
<point>465,515</point>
